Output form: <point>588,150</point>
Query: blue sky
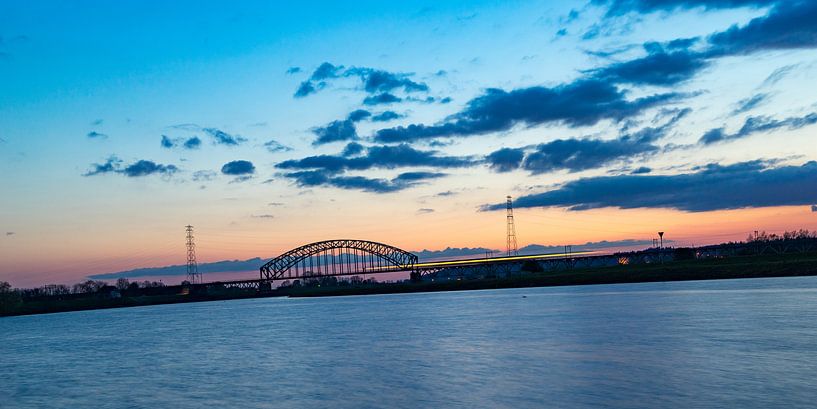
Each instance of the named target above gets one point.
<point>122,121</point>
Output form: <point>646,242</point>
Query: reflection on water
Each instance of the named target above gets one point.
<point>738,344</point>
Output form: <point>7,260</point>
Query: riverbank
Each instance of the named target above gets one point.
<point>709,269</point>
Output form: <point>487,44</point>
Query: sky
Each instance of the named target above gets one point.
<point>271,125</point>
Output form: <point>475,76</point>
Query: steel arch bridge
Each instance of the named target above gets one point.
<point>343,257</point>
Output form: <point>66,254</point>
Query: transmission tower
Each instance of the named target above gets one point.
<point>193,275</point>
<point>512,250</point>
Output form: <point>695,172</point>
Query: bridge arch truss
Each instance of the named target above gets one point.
<point>342,257</point>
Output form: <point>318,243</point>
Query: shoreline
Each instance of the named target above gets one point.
<point>766,266</point>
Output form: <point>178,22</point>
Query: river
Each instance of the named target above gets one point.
<point>707,344</point>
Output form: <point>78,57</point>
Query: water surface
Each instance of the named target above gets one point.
<point>734,343</point>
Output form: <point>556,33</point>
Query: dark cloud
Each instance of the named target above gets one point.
<point>712,187</point>
<point>750,103</point>
<point>167,142</point>
<point>110,165</point>
<point>358,115</point>
<point>10,233</point>
<point>146,167</point>
<point>581,154</point>
<point>352,149</point>
<point>377,81</point>
<point>386,116</point>
<point>425,210</point>
<point>381,99</point>
<point>326,71</point>
<point>382,157</point>
<point>641,171</point>
<point>581,103</point>
<point>97,122</point>
<point>293,70</point>
<point>577,154</point>
<point>755,124</point>
<point>323,178</point>
<point>96,135</point>
<point>373,81</point>
<point>136,169</point>
<point>621,7</point>
<point>223,138</point>
<point>192,143</point>
<point>238,168</point>
<point>659,67</point>
<point>262,216</point>
<point>505,159</point>
<point>335,131</point>
<point>274,146</point>
<point>814,208</point>
<point>305,89</point>
<point>789,25</point>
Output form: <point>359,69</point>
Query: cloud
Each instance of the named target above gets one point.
<point>305,89</point>
<point>167,142</point>
<point>814,208</point>
<point>274,146</point>
<point>10,233</point>
<point>358,115</point>
<point>373,81</point>
<point>755,124</point>
<point>238,168</point>
<point>659,67</point>
<point>110,165</point>
<point>96,135</point>
<point>97,122</point>
<point>382,157</point>
<point>335,131</point>
<point>352,149</point>
<point>223,138</point>
<point>779,74</point>
<point>621,7</point>
<point>136,169</point>
<point>293,70</point>
<point>425,210</point>
<point>386,116</point>
<point>181,269</point>
<point>789,25</point>
<point>381,99</point>
<point>641,170</point>
<point>712,187</point>
<point>581,154</point>
<point>505,159</point>
<point>192,143</point>
<point>326,71</point>
<point>146,167</point>
<point>750,103</point>
<point>204,175</point>
<point>580,103</point>
<point>577,154</point>
<point>325,178</point>
<point>263,216</point>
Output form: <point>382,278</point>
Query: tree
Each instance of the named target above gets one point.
<point>10,298</point>
<point>122,284</point>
